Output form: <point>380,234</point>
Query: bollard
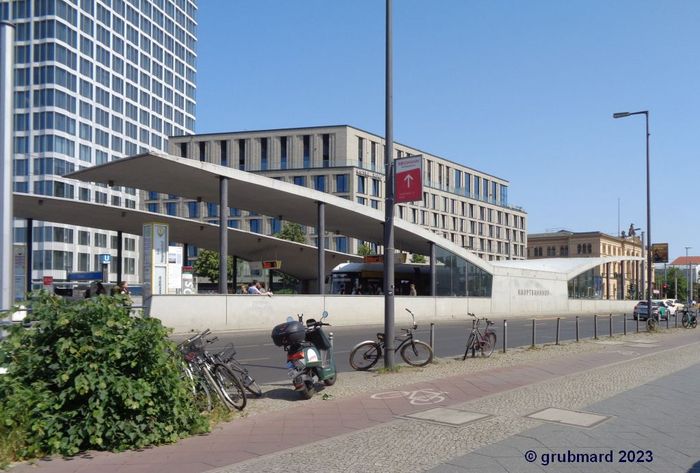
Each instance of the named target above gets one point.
<point>558,324</point>
<point>610,327</point>
<point>675,319</point>
<point>533,333</point>
<point>637,323</point>
<point>505,334</point>
<point>330,338</point>
<point>624,324</point>
<point>595,326</point>
<point>577,338</point>
<point>668,316</point>
<point>432,336</point>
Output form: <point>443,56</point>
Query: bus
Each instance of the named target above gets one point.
<point>368,279</point>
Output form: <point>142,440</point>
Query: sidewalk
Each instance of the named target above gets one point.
<point>248,444</point>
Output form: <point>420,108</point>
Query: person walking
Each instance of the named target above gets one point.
<point>254,288</point>
<point>412,290</point>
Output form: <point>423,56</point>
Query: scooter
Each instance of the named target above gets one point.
<point>309,353</point>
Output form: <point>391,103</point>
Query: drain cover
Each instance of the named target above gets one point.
<point>445,415</point>
<point>565,416</point>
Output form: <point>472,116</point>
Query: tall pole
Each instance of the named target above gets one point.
<point>688,298</point>
<point>223,235</point>
<point>7,39</point>
<point>389,201</point>
<point>646,117</point>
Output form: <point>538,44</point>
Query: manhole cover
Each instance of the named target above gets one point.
<point>565,416</point>
<point>445,415</point>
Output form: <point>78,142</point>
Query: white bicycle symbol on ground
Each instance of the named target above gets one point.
<point>419,397</point>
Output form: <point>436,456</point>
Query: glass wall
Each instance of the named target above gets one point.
<point>587,285</point>
<point>458,277</point>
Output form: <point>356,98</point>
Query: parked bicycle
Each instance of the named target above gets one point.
<point>483,342</point>
<point>689,319</point>
<point>414,352</point>
<point>226,357</point>
<point>208,374</point>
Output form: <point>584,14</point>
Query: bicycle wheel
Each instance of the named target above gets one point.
<point>244,377</point>
<point>417,353</point>
<point>693,322</point>
<point>365,356</point>
<point>230,387</point>
<point>651,324</point>
<point>470,345</point>
<point>685,321</point>
<point>489,345</point>
<point>198,387</point>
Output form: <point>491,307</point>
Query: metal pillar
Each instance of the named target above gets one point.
<point>389,199</point>
<point>505,335</point>
<point>223,235</point>
<point>7,39</point>
<point>235,275</point>
<point>120,251</point>
<point>433,270</point>
<point>321,245</point>
<point>29,238</point>
<point>185,252</point>
<point>607,280</point>
<point>623,291</point>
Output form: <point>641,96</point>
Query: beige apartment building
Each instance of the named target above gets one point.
<point>611,278</point>
<point>466,206</point>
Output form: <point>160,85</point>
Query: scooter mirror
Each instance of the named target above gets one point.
<point>290,319</point>
<point>324,314</point>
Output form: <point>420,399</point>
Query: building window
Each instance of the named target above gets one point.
<point>361,184</point>
<point>193,209</point>
<point>171,208</point>
<point>263,154</point>
<point>360,151</point>
<point>341,183</point>
<point>375,188</point>
<point>326,148</point>
<point>283,152</point>
<point>320,183</point>
<point>241,155</point>
<point>224,152</point>
<point>564,251</point>
<point>212,210</point>
<point>373,156</point>
<point>276,225</point>
<point>299,180</point>
<point>341,244</point>
<point>153,207</point>
<point>307,151</point>
<point>183,149</point>
<point>255,225</point>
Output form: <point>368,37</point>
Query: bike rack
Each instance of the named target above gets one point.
<point>533,333</point>
<point>432,336</point>
<point>624,324</point>
<point>577,335</point>
<point>610,326</point>
<point>595,326</point>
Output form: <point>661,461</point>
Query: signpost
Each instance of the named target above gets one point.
<point>408,179</point>
<point>155,260</point>
<point>105,259</point>
<point>659,253</point>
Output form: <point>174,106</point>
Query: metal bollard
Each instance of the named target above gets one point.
<point>558,325</point>
<point>668,316</point>
<point>432,336</point>
<point>330,337</point>
<point>533,333</point>
<point>595,326</point>
<point>624,323</point>
<point>675,319</point>
<point>610,327</point>
<point>637,323</point>
<point>505,334</point>
<point>577,337</point>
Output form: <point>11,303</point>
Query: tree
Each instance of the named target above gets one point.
<point>670,279</point>
<point>207,265</point>
<point>364,250</point>
<point>292,232</point>
<point>416,258</point>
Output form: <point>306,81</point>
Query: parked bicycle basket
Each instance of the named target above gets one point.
<point>192,350</point>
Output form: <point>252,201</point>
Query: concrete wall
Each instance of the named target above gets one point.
<point>184,313</point>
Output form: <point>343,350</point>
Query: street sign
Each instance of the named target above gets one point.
<point>48,280</point>
<point>373,259</point>
<point>273,264</point>
<point>105,259</point>
<point>659,253</point>
<point>408,179</point>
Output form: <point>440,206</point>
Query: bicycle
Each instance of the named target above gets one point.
<point>226,357</point>
<point>214,375</point>
<point>485,342</point>
<point>689,319</point>
<point>414,352</point>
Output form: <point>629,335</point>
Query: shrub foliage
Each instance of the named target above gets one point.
<point>86,375</point>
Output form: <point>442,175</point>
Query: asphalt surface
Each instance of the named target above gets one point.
<point>266,362</point>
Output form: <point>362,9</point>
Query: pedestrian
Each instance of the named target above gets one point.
<point>243,289</point>
<point>412,290</point>
<point>254,288</point>
<point>121,288</point>
<point>263,290</point>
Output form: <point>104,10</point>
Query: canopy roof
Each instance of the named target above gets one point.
<point>572,267</point>
<point>249,246</point>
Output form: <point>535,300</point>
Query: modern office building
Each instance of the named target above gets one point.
<point>607,280</point>
<point>468,207</point>
<point>95,81</point>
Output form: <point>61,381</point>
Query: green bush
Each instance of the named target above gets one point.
<point>86,375</point>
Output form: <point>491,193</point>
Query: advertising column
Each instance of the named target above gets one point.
<point>155,260</point>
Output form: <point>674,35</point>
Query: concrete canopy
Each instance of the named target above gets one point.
<point>249,246</point>
<point>571,267</point>
<point>199,180</point>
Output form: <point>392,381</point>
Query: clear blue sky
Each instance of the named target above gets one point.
<point>524,90</point>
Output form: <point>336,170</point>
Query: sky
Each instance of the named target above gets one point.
<point>521,89</point>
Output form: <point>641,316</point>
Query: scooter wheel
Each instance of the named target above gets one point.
<point>330,381</point>
<point>308,391</point>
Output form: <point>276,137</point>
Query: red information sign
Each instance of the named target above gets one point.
<point>408,180</point>
<point>48,280</point>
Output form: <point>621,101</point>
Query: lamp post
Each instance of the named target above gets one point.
<point>690,283</point>
<point>646,118</point>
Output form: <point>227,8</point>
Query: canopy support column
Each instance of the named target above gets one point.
<point>223,235</point>
<point>321,245</point>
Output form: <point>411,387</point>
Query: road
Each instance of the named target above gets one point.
<point>266,362</point>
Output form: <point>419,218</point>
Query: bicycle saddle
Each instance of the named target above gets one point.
<point>380,336</point>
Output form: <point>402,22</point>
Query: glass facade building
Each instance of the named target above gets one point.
<point>95,81</point>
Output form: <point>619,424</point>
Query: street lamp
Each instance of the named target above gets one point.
<point>646,117</point>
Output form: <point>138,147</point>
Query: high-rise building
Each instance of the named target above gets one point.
<point>95,81</point>
<point>464,205</point>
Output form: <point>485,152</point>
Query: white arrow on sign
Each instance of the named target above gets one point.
<point>408,179</point>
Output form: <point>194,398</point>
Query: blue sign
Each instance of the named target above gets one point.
<point>105,259</point>
<point>97,275</point>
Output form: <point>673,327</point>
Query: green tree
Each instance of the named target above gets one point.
<point>364,250</point>
<point>416,258</point>
<point>670,279</point>
<point>207,265</point>
<point>292,232</point>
